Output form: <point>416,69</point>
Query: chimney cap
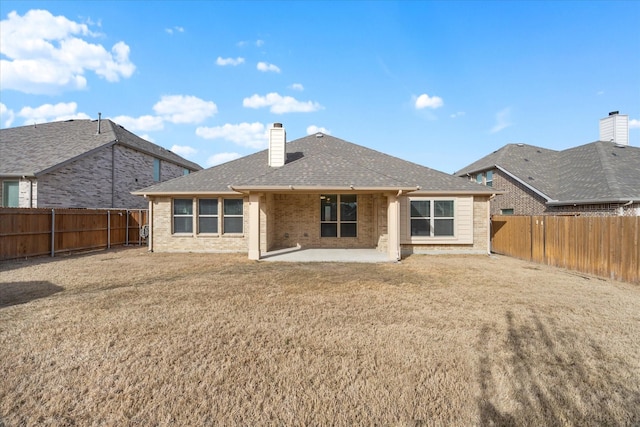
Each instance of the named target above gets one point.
<point>613,113</point>
<point>277,125</point>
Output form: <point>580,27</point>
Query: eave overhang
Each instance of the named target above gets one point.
<point>593,201</point>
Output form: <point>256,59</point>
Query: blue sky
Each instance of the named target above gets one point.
<point>437,83</point>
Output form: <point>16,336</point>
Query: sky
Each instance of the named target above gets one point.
<point>441,84</point>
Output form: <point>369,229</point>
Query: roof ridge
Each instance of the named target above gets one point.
<point>607,167</point>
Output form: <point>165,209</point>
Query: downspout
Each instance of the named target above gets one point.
<point>150,219</point>
<point>490,224</point>
<point>113,175</point>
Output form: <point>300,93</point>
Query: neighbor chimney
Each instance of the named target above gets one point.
<point>277,142</point>
<point>615,128</point>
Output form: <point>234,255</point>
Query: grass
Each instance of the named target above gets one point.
<point>127,337</point>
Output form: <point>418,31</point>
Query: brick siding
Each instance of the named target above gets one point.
<point>105,179</point>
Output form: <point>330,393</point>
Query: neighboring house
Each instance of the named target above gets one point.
<point>318,192</point>
<point>600,178</point>
<point>81,164</point>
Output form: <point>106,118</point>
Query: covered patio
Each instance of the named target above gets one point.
<point>299,254</point>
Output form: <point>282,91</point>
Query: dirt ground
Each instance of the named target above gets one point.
<point>128,337</point>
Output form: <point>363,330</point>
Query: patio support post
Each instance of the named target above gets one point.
<point>393,226</point>
<point>254,226</point>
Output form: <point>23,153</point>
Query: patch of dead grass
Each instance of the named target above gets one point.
<point>129,337</point>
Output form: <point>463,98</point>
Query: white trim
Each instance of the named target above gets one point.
<point>529,186</point>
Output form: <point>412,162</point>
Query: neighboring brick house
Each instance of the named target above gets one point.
<point>600,178</point>
<point>81,164</point>
<point>318,192</point>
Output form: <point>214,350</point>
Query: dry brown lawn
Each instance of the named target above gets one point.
<point>127,337</point>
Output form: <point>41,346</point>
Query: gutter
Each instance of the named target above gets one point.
<point>626,202</point>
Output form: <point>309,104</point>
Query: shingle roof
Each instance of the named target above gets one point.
<point>318,162</point>
<point>33,150</point>
<point>598,172</point>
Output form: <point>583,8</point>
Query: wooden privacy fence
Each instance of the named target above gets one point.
<point>603,246</point>
<point>33,232</point>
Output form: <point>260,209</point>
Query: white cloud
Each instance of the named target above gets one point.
<point>259,43</point>
<point>145,123</point>
<point>174,29</point>
<point>297,86</point>
<point>184,150</point>
<point>265,67</point>
<point>313,129</point>
<point>457,114</point>
<point>252,135</point>
<point>184,109</point>
<point>220,158</point>
<point>229,61</point>
<point>46,54</point>
<point>503,120</point>
<point>425,101</point>
<point>634,124</point>
<point>51,113</point>
<point>6,116</point>
<point>280,104</point>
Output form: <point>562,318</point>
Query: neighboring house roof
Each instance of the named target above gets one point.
<point>599,172</point>
<point>318,162</point>
<point>39,149</point>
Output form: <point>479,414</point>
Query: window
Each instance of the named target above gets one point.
<point>185,171</point>
<point>338,215</point>
<point>10,194</point>
<point>183,216</point>
<point>506,211</point>
<point>479,178</point>
<point>489,179</point>
<point>207,215</point>
<point>232,218</point>
<point>156,170</point>
<point>428,222</point>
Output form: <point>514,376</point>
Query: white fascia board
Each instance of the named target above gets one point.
<point>529,186</point>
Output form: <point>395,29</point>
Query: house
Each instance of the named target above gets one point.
<point>600,178</point>
<point>318,192</point>
<point>81,164</point>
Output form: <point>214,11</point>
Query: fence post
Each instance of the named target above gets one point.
<point>139,231</point>
<point>108,229</point>
<point>127,233</point>
<point>53,232</point>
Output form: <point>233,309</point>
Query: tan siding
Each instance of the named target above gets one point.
<point>472,230</point>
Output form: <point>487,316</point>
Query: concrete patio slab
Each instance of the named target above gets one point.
<point>326,255</point>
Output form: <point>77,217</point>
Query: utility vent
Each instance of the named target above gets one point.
<point>277,145</point>
<point>615,128</point>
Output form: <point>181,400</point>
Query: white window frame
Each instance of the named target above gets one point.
<point>195,217</point>
<point>488,178</point>
<point>5,193</point>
